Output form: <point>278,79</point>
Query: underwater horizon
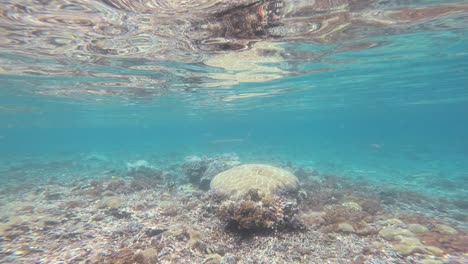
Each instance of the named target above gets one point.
<point>113,114</point>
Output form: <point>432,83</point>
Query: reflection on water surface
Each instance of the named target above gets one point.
<point>143,49</point>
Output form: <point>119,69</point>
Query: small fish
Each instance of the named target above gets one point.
<point>115,177</point>
<point>228,140</point>
<point>209,251</point>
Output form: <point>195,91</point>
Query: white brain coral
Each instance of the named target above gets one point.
<point>268,180</point>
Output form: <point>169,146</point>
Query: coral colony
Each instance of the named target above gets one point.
<point>220,210</point>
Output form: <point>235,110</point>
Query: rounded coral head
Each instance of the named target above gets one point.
<point>266,179</point>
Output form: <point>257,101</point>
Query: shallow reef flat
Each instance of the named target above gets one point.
<point>145,213</point>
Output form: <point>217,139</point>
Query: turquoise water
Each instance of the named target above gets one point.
<point>386,114</point>
<point>372,96</point>
<point>414,147</point>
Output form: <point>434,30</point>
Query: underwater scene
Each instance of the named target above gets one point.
<point>234,131</point>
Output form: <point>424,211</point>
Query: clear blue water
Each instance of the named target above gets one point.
<point>370,95</point>
<point>394,114</point>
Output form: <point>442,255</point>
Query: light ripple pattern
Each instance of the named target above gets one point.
<point>147,49</point>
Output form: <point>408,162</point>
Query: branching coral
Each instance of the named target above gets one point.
<point>255,213</point>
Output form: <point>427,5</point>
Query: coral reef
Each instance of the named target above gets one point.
<point>254,212</point>
<point>145,175</point>
<point>347,218</point>
<point>266,179</point>
<point>331,219</point>
<point>112,202</point>
<point>201,170</point>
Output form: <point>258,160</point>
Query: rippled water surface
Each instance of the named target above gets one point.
<point>220,54</point>
<point>243,74</point>
<point>114,114</point>
<point>300,79</point>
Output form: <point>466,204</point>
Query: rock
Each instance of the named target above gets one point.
<point>213,259</point>
<point>114,186</point>
<point>147,256</point>
<point>25,208</point>
<point>409,245</point>
<point>119,214</point>
<point>48,222</point>
<point>194,234</point>
<point>154,231</point>
<point>133,227</point>
<point>268,180</point>
<point>98,217</point>
<point>303,250</point>
<point>296,256</point>
<point>312,218</point>
<point>108,193</point>
<point>201,170</point>
<point>193,168</point>
<point>74,204</point>
<point>96,157</point>
<point>137,164</point>
<point>394,233</point>
<point>112,202</point>
<point>196,245</point>
<point>165,251</point>
<point>194,239</point>
<point>230,259</point>
<point>123,256</point>
<point>392,222</point>
<point>435,250</point>
<point>430,261</point>
<point>353,206</point>
<point>4,227</point>
<point>53,196</point>
<point>307,173</point>
<point>212,170</point>
<point>445,229</point>
<point>417,228</point>
<point>141,169</point>
<point>345,228</point>
<point>367,230</point>
<point>10,235</point>
<point>169,208</point>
